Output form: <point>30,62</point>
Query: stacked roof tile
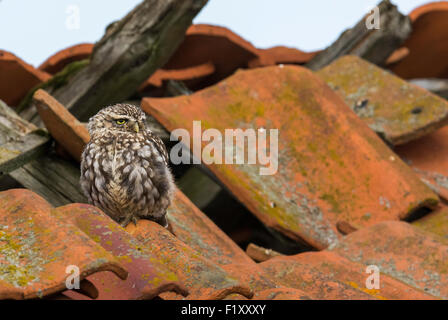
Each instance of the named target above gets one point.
<point>361,182</point>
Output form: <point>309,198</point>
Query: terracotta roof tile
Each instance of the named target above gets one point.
<point>203,278</point>
<point>283,55</point>
<point>64,128</point>
<point>399,250</point>
<point>309,196</point>
<point>325,275</point>
<point>427,45</point>
<point>196,230</point>
<point>428,157</point>
<point>148,276</point>
<point>36,248</point>
<point>18,77</point>
<point>62,58</point>
<point>189,75</point>
<point>395,109</point>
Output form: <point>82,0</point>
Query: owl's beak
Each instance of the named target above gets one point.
<point>136,127</point>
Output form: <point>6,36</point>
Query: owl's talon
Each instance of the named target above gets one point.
<point>124,224</point>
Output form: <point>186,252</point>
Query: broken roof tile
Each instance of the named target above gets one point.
<point>61,124</point>
<point>36,248</point>
<point>305,198</point>
<point>326,275</point>
<point>395,109</point>
<point>18,77</point>
<point>204,279</point>
<point>62,58</point>
<point>260,254</point>
<point>428,157</point>
<point>402,251</point>
<point>148,276</point>
<point>427,44</point>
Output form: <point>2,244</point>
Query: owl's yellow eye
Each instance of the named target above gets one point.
<point>121,121</point>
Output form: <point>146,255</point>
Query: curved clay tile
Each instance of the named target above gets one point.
<point>204,279</point>
<point>18,77</point>
<point>428,44</point>
<point>37,247</point>
<point>62,125</point>
<point>326,275</point>
<point>426,8</point>
<point>284,55</point>
<point>404,252</point>
<point>189,75</point>
<point>148,276</point>
<point>211,53</point>
<point>59,60</point>
<point>205,43</point>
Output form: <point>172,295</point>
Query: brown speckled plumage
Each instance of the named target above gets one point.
<point>124,167</point>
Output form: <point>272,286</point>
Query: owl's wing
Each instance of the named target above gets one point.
<point>160,147</point>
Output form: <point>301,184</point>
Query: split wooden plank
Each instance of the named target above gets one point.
<point>374,45</point>
<point>20,141</point>
<point>54,179</point>
<point>130,51</point>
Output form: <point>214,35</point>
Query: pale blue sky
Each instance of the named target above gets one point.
<point>34,30</point>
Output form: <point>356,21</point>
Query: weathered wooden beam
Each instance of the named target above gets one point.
<point>198,187</point>
<point>130,51</point>
<point>20,141</point>
<point>374,45</point>
<point>53,178</point>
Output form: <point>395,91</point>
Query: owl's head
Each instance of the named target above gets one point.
<point>117,118</point>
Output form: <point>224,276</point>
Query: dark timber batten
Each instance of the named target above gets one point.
<point>374,45</point>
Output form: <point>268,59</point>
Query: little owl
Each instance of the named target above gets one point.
<point>124,167</point>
